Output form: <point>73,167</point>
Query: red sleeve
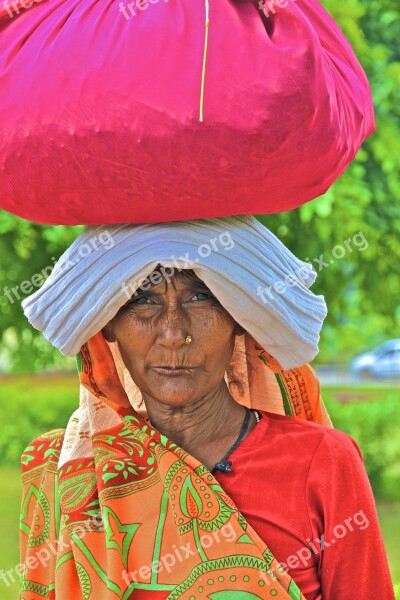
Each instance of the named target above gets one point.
<point>347,538</point>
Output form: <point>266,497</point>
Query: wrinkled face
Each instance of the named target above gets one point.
<point>151,330</point>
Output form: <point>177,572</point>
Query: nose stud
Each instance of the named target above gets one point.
<point>188,339</point>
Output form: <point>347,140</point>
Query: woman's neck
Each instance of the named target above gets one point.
<point>205,428</point>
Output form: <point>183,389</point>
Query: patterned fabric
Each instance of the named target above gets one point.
<point>136,512</point>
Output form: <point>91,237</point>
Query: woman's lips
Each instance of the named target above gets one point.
<point>174,372</point>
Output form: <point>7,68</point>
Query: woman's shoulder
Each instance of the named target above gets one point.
<point>43,449</point>
<point>321,438</point>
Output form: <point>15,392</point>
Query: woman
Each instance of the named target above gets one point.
<point>201,462</point>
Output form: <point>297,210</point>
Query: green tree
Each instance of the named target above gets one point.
<point>27,250</point>
<point>362,289</point>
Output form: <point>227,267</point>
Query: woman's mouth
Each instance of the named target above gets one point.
<point>174,371</point>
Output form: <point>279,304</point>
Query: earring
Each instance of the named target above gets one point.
<point>188,339</point>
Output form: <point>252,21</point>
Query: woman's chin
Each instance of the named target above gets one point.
<point>174,394</point>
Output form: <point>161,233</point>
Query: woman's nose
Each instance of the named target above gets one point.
<point>174,327</point>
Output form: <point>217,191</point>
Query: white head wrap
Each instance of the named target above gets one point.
<point>254,276</point>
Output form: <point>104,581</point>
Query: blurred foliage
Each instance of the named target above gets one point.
<point>32,405</point>
<point>373,423</point>
<point>362,289</point>
<point>27,249</point>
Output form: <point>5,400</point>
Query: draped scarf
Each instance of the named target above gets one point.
<point>112,509</point>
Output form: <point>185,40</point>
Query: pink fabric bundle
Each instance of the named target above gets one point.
<point>115,112</point>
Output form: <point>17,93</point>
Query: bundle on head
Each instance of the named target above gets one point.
<point>163,110</point>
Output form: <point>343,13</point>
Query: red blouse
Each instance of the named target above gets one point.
<point>303,488</point>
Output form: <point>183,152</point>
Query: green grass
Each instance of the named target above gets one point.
<point>31,405</point>
<point>363,392</point>
<point>10,498</point>
<point>389,518</point>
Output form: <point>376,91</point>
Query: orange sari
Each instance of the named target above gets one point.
<point>139,513</point>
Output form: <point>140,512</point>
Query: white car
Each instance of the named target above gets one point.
<point>384,361</point>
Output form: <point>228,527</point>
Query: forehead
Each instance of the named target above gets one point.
<point>172,278</point>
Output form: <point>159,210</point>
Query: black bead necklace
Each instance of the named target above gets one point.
<point>225,465</point>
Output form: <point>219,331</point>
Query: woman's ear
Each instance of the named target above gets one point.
<point>108,333</point>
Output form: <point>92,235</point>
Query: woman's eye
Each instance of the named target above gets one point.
<point>141,300</point>
<point>203,296</point>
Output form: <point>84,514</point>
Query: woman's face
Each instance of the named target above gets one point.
<point>151,330</point>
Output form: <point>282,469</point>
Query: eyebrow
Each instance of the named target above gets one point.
<point>192,285</point>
